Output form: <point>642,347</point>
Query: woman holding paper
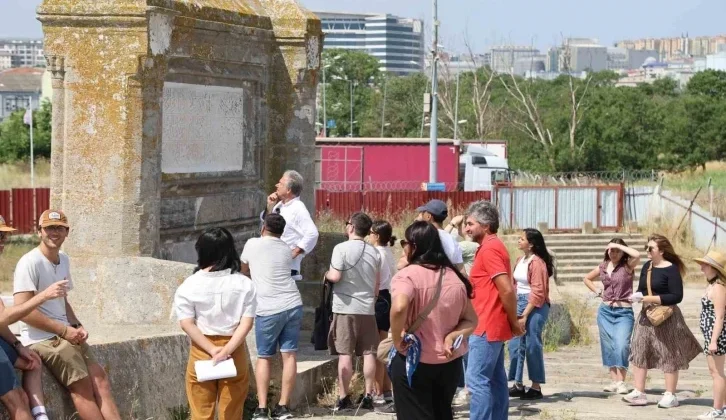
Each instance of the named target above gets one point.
<point>216,308</point>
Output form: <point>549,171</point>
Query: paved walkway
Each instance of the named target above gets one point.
<point>575,379</point>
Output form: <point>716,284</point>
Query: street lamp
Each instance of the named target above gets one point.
<point>350,82</point>
<point>325,110</point>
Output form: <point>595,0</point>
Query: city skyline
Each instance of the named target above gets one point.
<point>496,22</point>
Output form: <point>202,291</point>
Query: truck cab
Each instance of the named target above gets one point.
<point>481,169</point>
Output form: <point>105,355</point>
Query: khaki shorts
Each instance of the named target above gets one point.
<point>68,362</point>
<point>353,334</point>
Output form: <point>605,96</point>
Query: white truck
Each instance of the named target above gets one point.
<point>481,167</point>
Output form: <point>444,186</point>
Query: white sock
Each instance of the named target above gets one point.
<point>39,413</point>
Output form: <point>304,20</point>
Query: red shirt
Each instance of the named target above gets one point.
<point>491,260</point>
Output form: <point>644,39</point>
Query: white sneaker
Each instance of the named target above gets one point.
<point>713,414</point>
<point>610,388</point>
<point>668,401</point>
<point>621,388</point>
<point>461,397</point>
<point>636,398</point>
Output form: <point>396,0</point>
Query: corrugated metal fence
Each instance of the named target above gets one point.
<point>562,208</point>
<point>16,206</point>
<point>342,204</point>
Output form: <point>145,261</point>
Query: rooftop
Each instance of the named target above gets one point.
<point>21,79</point>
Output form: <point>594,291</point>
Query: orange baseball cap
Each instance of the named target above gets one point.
<point>53,218</point>
<point>4,227</point>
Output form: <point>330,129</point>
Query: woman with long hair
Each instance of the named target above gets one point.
<point>615,317</point>
<point>443,333</point>
<point>713,308</point>
<point>532,273</point>
<point>669,346</point>
<point>382,238</point>
<point>216,307</point>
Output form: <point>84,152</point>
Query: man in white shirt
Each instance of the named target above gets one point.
<point>53,331</point>
<point>435,212</point>
<point>279,312</point>
<point>300,234</point>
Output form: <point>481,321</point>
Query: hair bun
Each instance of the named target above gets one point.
<point>392,241</point>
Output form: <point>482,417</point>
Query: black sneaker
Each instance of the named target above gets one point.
<point>281,412</point>
<point>365,402</point>
<point>260,414</point>
<point>516,392</point>
<point>343,404</point>
<point>532,394</point>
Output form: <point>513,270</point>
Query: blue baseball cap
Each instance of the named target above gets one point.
<point>436,208</point>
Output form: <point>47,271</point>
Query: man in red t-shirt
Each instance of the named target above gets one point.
<point>495,302</point>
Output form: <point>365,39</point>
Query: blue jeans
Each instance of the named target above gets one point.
<point>529,346</point>
<point>487,380</point>
<point>616,328</point>
<point>281,329</point>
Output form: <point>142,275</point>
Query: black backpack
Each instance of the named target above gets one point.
<point>323,317</point>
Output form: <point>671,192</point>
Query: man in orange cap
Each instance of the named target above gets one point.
<point>53,330</point>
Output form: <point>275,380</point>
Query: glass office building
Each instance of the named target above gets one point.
<point>397,43</point>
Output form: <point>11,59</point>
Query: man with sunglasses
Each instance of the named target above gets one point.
<point>53,330</point>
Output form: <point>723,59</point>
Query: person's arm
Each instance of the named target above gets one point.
<point>37,320</point>
<point>239,336</point>
<point>538,279</point>
<point>399,310</point>
<point>590,279</point>
<point>675,289</point>
<point>508,297</point>
<point>718,296</point>
<point>190,328</point>
<point>466,326</point>
<point>245,269</point>
<point>309,232</point>
<point>7,335</point>
<point>245,258</point>
<point>15,313</point>
<point>73,320</point>
<point>337,259</point>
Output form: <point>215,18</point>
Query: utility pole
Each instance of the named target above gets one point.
<point>383,112</point>
<point>434,95</point>
<point>456,107</point>
<point>325,115</point>
<point>351,108</point>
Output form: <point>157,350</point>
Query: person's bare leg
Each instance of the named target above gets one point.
<point>369,372</point>
<point>84,399</point>
<point>639,375</point>
<point>16,403</point>
<point>620,374</point>
<point>383,382</point>
<point>671,381</point>
<point>613,374</point>
<point>345,373</point>
<point>262,379</point>
<point>289,373</point>
<point>102,392</point>
<point>715,367</point>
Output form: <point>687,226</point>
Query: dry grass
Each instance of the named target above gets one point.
<point>582,317</point>
<point>686,184</point>
<point>682,240</point>
<point>330,387</point>
<point>9,258</point>
<point>17,175</point>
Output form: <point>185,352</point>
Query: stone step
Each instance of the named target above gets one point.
<point>595,241</point>
<point>577,236</point>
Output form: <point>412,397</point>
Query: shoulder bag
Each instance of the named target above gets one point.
<point>384,348</point>
<point>657,314</point>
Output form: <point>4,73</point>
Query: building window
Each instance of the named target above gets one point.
<point>14,103</point>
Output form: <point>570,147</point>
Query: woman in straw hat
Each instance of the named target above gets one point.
<point>713,308</point>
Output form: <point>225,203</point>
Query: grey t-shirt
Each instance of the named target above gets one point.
<point>360,267</point>
<point>269,259</point>
<point>35,273</point>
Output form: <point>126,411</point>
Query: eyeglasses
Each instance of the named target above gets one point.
<point>403,243</point>
<point>348,224</point>
<point>649,248</point>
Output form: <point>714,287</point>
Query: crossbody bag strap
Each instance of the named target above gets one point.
<point>430,307</point>
<point>650,269</point>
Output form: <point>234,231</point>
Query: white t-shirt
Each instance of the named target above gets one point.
<point>388,266</point>
<point>35,273</point>
<point>216,300</point>
<point>451,247</point>
<point>360,266</point>
<point>269,259</point>
<point>521,270</point>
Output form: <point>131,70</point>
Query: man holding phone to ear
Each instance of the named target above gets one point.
<point>300,234</point>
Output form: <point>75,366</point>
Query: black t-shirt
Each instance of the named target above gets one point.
<point>665,282</point>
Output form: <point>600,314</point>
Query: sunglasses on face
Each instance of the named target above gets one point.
<point>403,243</point>
<point>649,248</point>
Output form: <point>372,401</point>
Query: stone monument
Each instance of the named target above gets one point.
<point>169,117</point>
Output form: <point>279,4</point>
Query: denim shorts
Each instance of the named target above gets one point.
<point>8,378</point>
<point>281,329</point>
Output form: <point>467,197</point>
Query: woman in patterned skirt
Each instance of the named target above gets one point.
<point>713,307</point>
<point>670,346</point>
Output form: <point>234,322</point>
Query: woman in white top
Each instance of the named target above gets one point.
<point>216,308</point>
<point>382,238</point>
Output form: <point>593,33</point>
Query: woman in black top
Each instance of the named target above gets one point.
<point>670,346</point>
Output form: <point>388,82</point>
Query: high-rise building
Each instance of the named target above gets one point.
<point>24,52</point>
<point>583,54</point>
<point>628,58</point>
<point>674,48</point>
<point>503,57</point>
<point>397,43</point>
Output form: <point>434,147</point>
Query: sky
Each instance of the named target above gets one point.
<point>484,23</point>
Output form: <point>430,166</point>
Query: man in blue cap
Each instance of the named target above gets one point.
<point>435,212</point>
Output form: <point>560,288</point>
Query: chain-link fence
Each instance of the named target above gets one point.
<point>584,178</point>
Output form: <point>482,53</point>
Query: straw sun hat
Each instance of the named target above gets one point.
<point>716,260</point>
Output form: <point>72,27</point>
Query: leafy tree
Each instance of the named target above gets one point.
<point>708,83</point>
<point>15,135</point>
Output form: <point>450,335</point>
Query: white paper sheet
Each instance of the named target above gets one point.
<point>206,372</point>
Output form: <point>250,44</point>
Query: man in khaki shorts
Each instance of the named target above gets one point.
<point>355,269</point>
<point>53,331</point>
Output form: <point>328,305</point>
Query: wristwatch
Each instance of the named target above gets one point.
<point>76,326</point>
<point>17,344</point>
